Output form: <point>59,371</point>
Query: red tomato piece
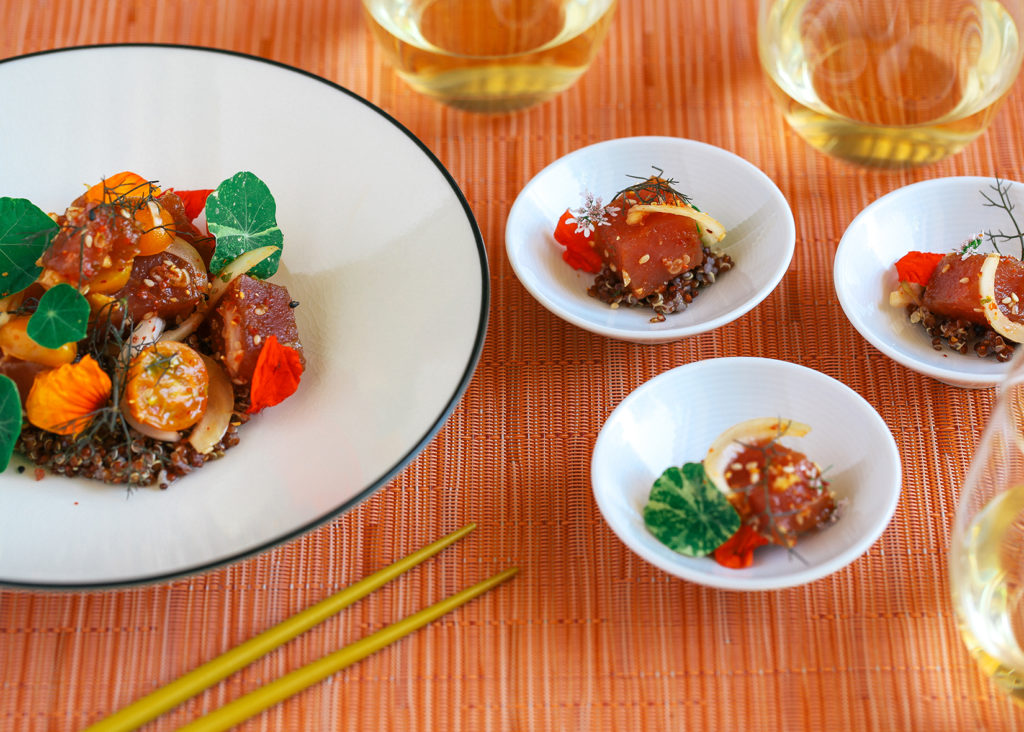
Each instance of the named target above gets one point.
<point>738,551</point>
<point>918,266</point>
<point>579,248</point>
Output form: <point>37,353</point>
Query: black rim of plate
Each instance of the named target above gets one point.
<point>415,449</point>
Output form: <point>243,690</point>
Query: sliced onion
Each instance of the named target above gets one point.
<point>709,225</point>
<point>220,405</point>
<point>162,435</point>
<point>730,443</point>
<point>221,281</point>
<point>993,313</point>
<point>183,250</point>
<point>144,334</point>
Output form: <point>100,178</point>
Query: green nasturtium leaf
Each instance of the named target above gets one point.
<point>686,513</point>
<point>241,216</point>
<point>62,316</point>
<point>10,419</point>
<point>25,233</point>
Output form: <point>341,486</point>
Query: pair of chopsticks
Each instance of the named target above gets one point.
<point>167,697</point>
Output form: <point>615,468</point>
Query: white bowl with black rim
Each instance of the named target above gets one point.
<point>381,378</point>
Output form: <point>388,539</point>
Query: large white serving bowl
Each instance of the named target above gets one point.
<point>933,216</point>
<point>760,233</point>
<point>375,274</point>
<point>673,419</point>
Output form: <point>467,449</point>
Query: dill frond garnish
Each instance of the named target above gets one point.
<point>654,189</point>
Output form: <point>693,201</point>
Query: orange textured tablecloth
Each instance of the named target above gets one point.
<point>588,637</point>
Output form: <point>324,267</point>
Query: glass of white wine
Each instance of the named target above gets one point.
<point>890,84</point>
<point>987,550</point>
<point>489,55</point>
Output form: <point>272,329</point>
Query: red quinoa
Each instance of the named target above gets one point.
<point>678,292</point>
<point>961,335</point>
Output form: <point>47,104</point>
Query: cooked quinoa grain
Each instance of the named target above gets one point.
<point>678,293</point>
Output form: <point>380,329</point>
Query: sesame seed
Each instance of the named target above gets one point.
<point>645,259</point>
<point>257,339</point>
<point>1007,300</point>
<point>964,280</point>
<point>148,282</point>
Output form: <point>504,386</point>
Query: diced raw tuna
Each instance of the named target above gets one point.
<point>649,254</point>
<point>952,291</point>
<point>22,373</point>
<point>250,311</point>
<point>183,226</point>
<point>164,285</point>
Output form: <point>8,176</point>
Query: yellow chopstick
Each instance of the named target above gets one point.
<point>291,683</point>
<point>167,697</point>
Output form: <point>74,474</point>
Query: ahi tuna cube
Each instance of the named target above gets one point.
<point>250,311</point>
<point>649,254</point>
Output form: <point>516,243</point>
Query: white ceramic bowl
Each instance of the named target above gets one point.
<point>673,419</point>
<point>935,216</point>
<point>761,233</point>
<point>381,378</point>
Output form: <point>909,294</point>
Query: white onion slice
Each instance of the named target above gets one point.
<point>232,271</point>
<point>163,435</point>
<point>993,314</point>
<point>709,225</point>
<point>220,404</point>
<point>183,250</point>
<point>146,333</point>
<point>731,442</point>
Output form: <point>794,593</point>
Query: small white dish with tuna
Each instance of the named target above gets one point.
<point>650,239</point>
<point>931,275</point>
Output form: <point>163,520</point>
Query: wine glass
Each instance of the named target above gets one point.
<point>987,550</point>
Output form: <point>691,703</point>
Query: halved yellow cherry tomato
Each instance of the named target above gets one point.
<point>15,342</point>
<point>167,387</point>
<point>110,281</point>
<point>122,185</point>
<point>157,228</point>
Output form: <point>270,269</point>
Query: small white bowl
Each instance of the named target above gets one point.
<point>673,419</point>
<point>760,233</point>
<point>933,216</point>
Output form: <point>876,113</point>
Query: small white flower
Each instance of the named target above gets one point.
<point>590,215</point>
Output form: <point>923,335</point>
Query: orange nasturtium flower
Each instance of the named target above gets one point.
<point>63,400</point>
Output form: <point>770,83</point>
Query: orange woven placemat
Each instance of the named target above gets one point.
<point>588,637</point>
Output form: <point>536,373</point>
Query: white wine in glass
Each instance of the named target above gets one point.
<point>987,550</point>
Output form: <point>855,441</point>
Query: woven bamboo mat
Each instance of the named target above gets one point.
<point>588,637</point>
